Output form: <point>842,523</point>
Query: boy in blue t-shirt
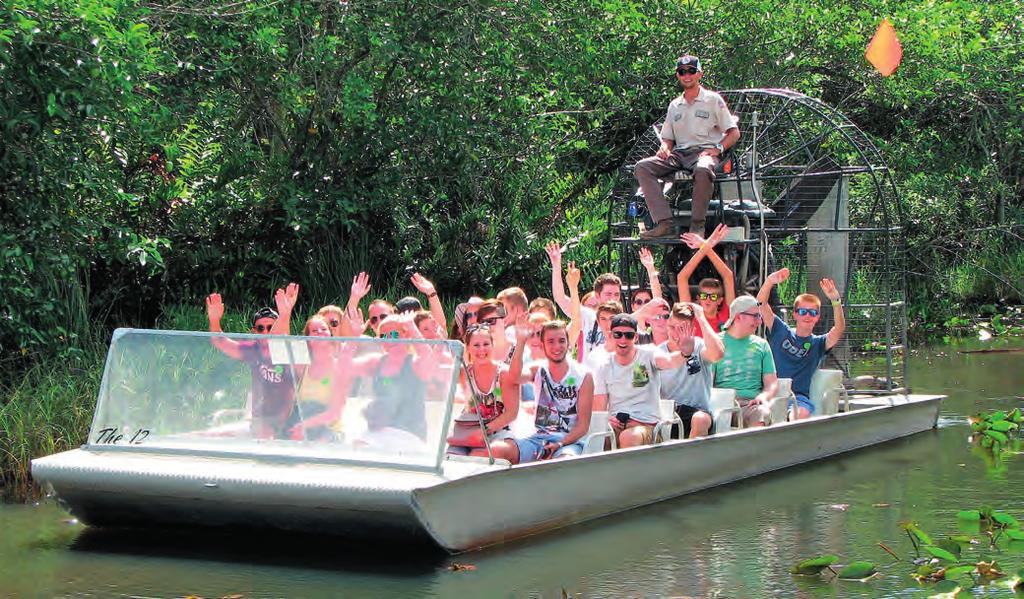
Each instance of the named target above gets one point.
<point>798,351</point>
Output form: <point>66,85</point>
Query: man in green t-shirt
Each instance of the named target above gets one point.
<point>747,366</point>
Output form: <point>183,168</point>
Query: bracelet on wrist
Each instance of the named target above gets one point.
<point>836,302</point>
<point>432,295</point>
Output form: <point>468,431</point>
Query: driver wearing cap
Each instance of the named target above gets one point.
<point>698,128</point>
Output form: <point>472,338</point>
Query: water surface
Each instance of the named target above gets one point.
<point>734,541</point>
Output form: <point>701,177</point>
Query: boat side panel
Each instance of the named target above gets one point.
<point>491,508</point>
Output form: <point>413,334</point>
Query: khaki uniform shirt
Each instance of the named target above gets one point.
<point>701,124</point>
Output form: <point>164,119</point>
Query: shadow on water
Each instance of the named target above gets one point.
<point>264,548</point>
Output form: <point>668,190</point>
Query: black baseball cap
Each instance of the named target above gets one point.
<point>264,312</point>
<point>689,60</point>
<point>624,320</point>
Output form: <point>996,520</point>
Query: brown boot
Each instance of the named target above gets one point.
<point>697,226</point>
<point>662,229</point>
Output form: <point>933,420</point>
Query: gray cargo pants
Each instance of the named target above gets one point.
<point>650,169</point>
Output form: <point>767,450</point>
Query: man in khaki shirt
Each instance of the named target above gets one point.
<point>698,128</point>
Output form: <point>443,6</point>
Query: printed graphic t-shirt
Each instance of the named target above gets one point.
<point>634,388</point>
<point>557,400</point>
<point>796,357</point>
<point>273,388</point>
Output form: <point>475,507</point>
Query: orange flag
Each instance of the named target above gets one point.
<point>884,51</point>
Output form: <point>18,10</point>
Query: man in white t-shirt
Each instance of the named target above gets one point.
<point>690,385</point>
<point>628,385</point>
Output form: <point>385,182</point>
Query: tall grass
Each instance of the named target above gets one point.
<point>46,410</point>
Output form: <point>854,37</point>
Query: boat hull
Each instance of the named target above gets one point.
<point>466,505</point>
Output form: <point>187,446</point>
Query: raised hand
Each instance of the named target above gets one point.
<point>647,259</point>
<point>651,306</point>
<point>779,276</point>
<point>554,250</point>
<point>355,320</point>
<point>573,276</point>
<point>692,240</point>
<point>698,310</point>
<point>829,287</point>
<point>360,286</point>
<point>214,307</point>
<point>523,329</point>
<point>285,299</point>
<point>718,235</point>
<point>423,285</point>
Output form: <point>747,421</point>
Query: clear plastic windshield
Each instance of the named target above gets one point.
<point>378,401</point>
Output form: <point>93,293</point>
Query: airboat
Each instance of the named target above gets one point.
<point>172,442</point>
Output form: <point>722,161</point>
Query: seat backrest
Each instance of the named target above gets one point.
<point>598,422</point>
<point>666,409</point>
<point>721,399</point>
<point>826,386</point>
<point>785,388</point>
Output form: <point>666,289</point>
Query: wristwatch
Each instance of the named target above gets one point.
<point>720,148</point>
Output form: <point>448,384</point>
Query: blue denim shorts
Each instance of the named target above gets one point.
<point>531,447</point>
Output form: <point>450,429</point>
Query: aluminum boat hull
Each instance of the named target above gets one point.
<point>139,488</point>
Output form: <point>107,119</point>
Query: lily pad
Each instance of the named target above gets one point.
<point>940,553</point>
<point>920,535</point>
<point>950,545</point>
<point>857,571</point>
<point>1014,534</point>
<point>815,565</point>
<point>969,515</point>
<point>946,586</point>
<point>996,435</point>
<point>958,571</point>
<point>1004,426</point>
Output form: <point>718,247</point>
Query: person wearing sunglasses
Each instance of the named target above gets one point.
<point>607,287</point>
<point>379,310</point>
<point>713,295</point>
<point>797,350</point>
<point>272,394</point>
<point>628,384</point>
<point>747,365</point>
<point>464,317</point>
<point>698,128</point>
<point>690,385</point>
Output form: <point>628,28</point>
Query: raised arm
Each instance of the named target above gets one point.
<point>714,349</point>
<point>647,259</point>
<point>214,313</point>
<point>285,300</point>
<point>767,316</point>
<point>426,287</point>
<point>695,242</point>
<point>554,250</point>
<point>510,379</point>
<point>728,279</point>
<point>360,287</point>
<point>839,327</point>
<point>572,279</point>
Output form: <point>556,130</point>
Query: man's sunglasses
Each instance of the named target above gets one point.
<point>375,319</point>
<point>334,322</point>
<point>621,334</point>
<point>470,314</point>
<point>260,328</point>
<point>686,71</point>
<point>639,301</point>
<point>708,296</point>
<point>807,311</point>
<point>660,317</point>
<point>389,335</point>
<point>490,321</point>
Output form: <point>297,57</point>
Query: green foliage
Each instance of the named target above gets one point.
<point>814,565</point>
<point>154,153</point>
<point>857,571</point>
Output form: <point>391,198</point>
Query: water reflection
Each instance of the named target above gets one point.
<point>734,541</point>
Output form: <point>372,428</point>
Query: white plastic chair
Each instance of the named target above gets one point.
<point>782,402</point>
<point>724,408</point>
<point>598,433</point>
<point>826,391</point>
<point>668,417</point>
